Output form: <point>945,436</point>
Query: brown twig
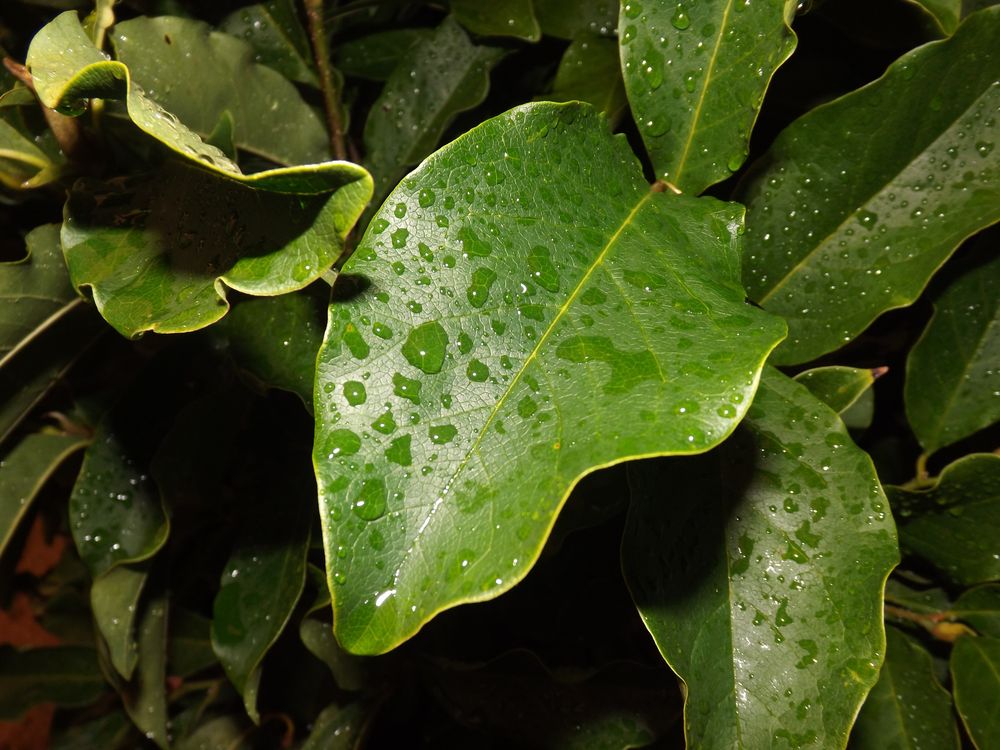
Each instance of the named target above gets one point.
<point>331,99</point>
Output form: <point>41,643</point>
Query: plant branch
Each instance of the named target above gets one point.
<point>331,97</point>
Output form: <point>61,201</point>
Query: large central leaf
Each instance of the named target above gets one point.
<point>527,310</point>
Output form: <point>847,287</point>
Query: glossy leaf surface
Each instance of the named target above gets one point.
<point>24,469</point>
<point>158,252</point>
<point>975,671</point>
<point>907,708</point>
<point>68,70</point>
<point>953,371</point>
<point>832,245</point>
<point>590,72</point>
<point>439,76</point>
<point>526,310</point>
<point>499,18</point>
<point>696,74</point>
<point>758,569</point>
<point>837,387</point>
<point>944,523</point>
<point>64,675</point>
<point>274,31</point>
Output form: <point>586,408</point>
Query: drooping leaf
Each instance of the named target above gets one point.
<point>835,244</point>
<point>339,727</point>
<point>907,708</point>
<point>837,387</point>
<point>498,18</point>
<point>158,252</point>
<point>263,579</point>
<point>695,74</point>
<point>376,55</point>
<point>953,371</point>
<point>528,310</point>
<point>975,671</point>
<point>22,164</point>
<point>65,675</point>
<point>946,13</point>
<point>274,31</point>
<point>114,601</point>
<point>590,72</point>
<point>189,644</point>
<point>438,77</point>
<point>517,699</point>
<point>24,470</point>
<point>568,18</point>
<point>145,698</point>
<point>276,340</point>
<point>68,70</point>
<point>944,523</point>
<point>758,569</point>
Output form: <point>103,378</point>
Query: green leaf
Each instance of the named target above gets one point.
<point>498,18</point>
<point>438,77</point>
<point>316,635</point>
<point>528,310</point>
<point>953,371</point>
<point>276,340</point>
<point>980,607</point>
<point>145,699</point>
<point>944,523</point>
<point>274,31</point>
<point>837,387</point>
<point>907,708</point>
<point>262,581</point>
<point>946,13</point>
<point>65,675</point>
<point>568,18</point>
<point>68,69</point>
<point>114,601</point>
<point>339,727</point>
<point>758,568</point>
<point>975,671</point>
<point>590,72</point>
<point>108,731</point>
<point>375,56</point>
<point>516,699</point>
<point>695,75</point>
<point>924,600</point>
<point>158,252</point>
<point>270,117</point>
<point>189,647</point>
<point>836,244</point>
<point>24,470</point>
<point>222,732</point>
<point>22,164</point>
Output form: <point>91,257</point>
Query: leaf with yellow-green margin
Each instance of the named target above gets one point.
<point>522,310</point>
<point>758,569</point>
<point>696,74</point>
<point>836,386</point>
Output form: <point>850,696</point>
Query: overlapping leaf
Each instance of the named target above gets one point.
<point>907,708</point>
<point>696,74</point>
<point>980,607</point>
<point>274,31</point>
<point>833,243</point>
<point>837,387</point>
<point>568,18</point>
<point>23,165</point>
<point>953,371</point>
<point>758,568</point>
<point>944,523</point>
<point>590,72</point>
<point>499,18</point>
<point>975,671</point>
<point>526,309</point>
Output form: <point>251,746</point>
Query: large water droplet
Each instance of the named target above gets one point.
<point>425,347</point>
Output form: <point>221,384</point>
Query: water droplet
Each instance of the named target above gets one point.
<point>370,504</point>
<point>479,290</point>
<point>442,434</point>
<point>405,387</point>
<point>355,393</point>
<point>477,371</point>
<point>425,347</point>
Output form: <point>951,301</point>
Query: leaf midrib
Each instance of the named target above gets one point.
<point>516,379</point>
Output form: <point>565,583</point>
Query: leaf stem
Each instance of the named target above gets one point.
<point>331,98</point>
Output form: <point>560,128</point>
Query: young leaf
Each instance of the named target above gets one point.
<point>759,568</point>
<point>440,76</point>
<point>944,523</point>
<point>837,387</point>
<point>980,607</point>
<point>498,18</point>
<point>64,675</point>
<point>528,310</point>
<point>274,31</point>
<point>157,252</point>
<point>837,243</point>
<point>24,470</point>
<point>907,708</point>
<point>568,18</point>
<point>696,74</point>
<point>68,70</point>
<point>953,371</point>
<point>590,72</point>
<point>975,671</point>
